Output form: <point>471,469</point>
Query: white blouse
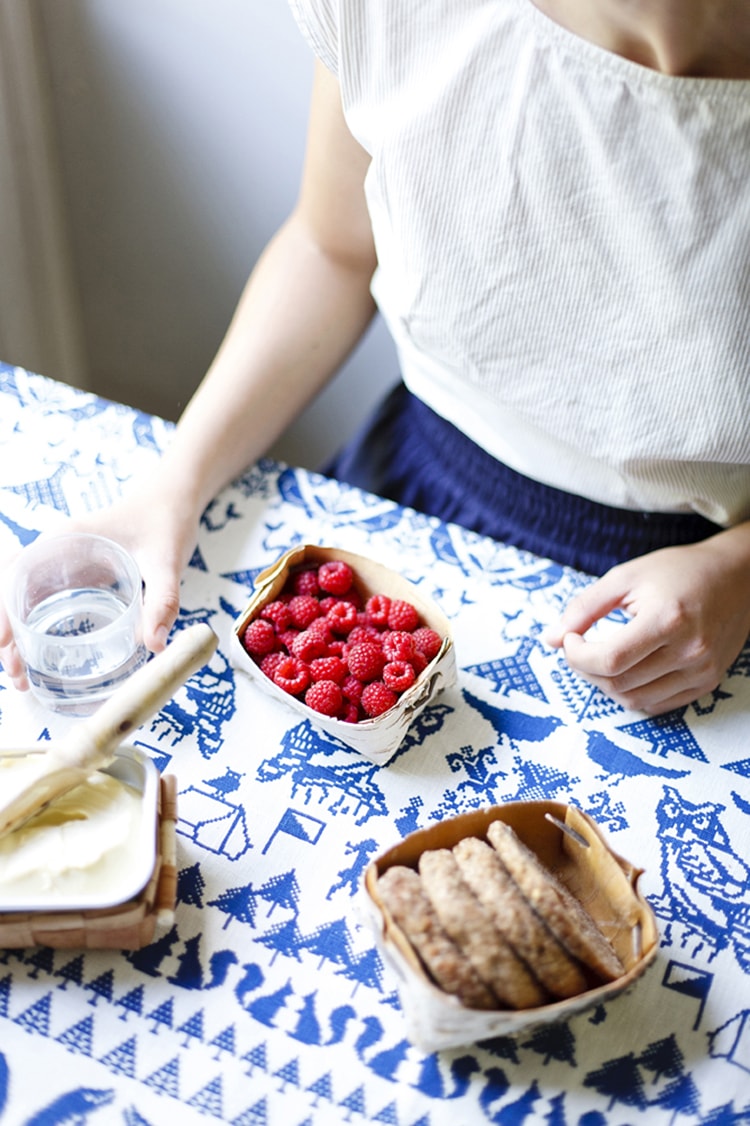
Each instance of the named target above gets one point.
<point>563,242</point>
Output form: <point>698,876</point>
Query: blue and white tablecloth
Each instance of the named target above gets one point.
<point>266,1002</point>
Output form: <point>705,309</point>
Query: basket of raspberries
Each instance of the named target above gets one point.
<point>504,918</point>
<point>348,642</point>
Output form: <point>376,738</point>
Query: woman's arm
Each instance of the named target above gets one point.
<point>305,307</point>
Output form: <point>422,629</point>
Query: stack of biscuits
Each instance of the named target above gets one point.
<point>495,928</point>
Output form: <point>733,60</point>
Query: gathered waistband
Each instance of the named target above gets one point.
<point>412,455</point>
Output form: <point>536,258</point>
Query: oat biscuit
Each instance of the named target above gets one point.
<point>401,891</point>
<point>468,924</point>
<point>568,920</point>
<point>510,912</point>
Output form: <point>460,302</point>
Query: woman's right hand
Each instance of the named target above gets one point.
<point>160,532</point>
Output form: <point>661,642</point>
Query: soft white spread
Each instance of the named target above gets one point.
<point>79,848</point>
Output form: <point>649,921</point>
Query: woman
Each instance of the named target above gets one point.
<point>549,204</point>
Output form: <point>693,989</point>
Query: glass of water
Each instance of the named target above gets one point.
<point>74,601</point>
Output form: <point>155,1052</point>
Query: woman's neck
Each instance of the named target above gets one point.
<point>695,38</point>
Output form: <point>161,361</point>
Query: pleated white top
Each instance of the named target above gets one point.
<point>563,240</point>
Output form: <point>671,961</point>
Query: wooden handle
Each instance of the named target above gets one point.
<point>96,738</point>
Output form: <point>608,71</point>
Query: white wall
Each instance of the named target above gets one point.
<point>181,127</point>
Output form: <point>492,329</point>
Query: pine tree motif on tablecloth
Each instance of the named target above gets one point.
<point>223,1041</point>
<point>192,1028</point>
<point>255,1115</point>
<point>166,1079</point>
<point>210,1098</point>
<point>71,972</point>
<point>131,1002</point>
<point>121,1060</point>
<point>256,1057</point>
<point>36,1017</point>
<point>162,1015</point>
<point>79,1037</point>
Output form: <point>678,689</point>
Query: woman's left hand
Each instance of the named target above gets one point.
<point>689,613</point>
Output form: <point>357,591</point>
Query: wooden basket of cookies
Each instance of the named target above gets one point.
<point>347,643</point>
<point>504,918</point>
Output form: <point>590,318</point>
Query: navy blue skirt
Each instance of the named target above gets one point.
<point>408,453</point>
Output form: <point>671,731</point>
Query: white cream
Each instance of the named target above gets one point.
<point>78,850</point>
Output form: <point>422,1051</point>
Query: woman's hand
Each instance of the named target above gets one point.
<point>689,613</point>
<point>160,530</point>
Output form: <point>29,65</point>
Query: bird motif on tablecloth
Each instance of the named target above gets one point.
<point>705,880</point>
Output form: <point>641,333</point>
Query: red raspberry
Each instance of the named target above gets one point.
<point>378,698</point>
<point>259,638</point>
<point>336,647</point>
<point>419,662</point>
<point>402,615</point>
<point>399,675</point>
<point>270,662</point>
<point>307,646</point>
<point>342,617</point>
<point>305,581</point>
<point>292,675</point>
<point>376,609</point>
<point>352,687</point>
<point>325,697</point>
<point>364,634</point>
<point>278,614</point>
<point>365,661</point>
<point>286,639</point>
<point>321,628</point>
<point>427,641</point>
<point>328,668</point>
<point>398,645</point>
<point>351,712</point>
<point>304,609</point>
<point>335,577</point>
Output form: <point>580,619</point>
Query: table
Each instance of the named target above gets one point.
<point>266,1002</point>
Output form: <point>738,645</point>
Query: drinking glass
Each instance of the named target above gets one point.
<point>74,601</point>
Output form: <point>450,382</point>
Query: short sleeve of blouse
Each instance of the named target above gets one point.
<point>318,22</point>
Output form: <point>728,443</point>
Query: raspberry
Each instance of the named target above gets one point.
<point>286,639</point>
<point>352,687</point>
<point>367,634</point>
<point>419,662</point>
<point>304,609</point>
<point>307,646</point>
<point>328,668</point>
<point>270,662</point>
<point>427,641</point>
<point>292,675</point>
<point>320,628</point>
<point>399,675</point>
<point>376,609</point>
<point>342,617</point>
<point>336,648</point>
<point>325,697</point>
<point>378,698</point>
<point>402,616</point>
<point>350,713</point>
<point>305,582</point>
<point>335,577</point>
<point>365,661</point>
<point>259,638</point>
<point>398,645</point>
<point>278,614</point>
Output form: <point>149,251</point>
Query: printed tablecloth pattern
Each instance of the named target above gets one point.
<point>266,1002</point>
